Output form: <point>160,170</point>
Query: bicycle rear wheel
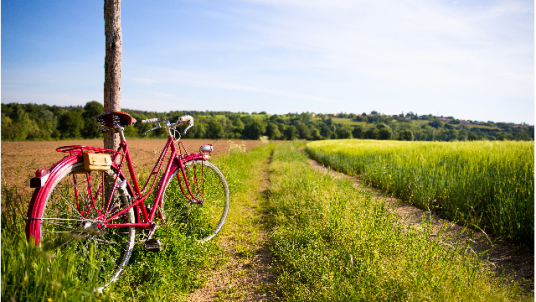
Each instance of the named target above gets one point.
<point>68,224</point>
<point>207,184</point>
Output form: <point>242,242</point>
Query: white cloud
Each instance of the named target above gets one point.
<point>417,50</point>
<point>325,56</point>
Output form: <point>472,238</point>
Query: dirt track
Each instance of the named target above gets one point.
<point>20,160</point>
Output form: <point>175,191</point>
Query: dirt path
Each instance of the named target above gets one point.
<point>517,264</point>
<point>246,275</point>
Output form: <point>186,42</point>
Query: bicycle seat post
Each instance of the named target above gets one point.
<point>118,127</point>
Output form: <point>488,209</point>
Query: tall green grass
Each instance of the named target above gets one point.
<point>333,242</point>
<point>31,274</point>
<point>487,184</point>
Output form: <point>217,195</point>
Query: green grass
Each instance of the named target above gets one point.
<point>333,242</point>
<point>222,116</point>
<point>330,242</point>
<point>486,184</point>
<point>342,120</point>
<point>30,274</point>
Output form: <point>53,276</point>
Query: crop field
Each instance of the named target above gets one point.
<point>488,185</point>
<point>327,240</point>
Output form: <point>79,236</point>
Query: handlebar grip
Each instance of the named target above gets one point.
<point>151,120</point>
<point>186,118</point>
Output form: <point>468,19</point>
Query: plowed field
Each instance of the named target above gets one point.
<point>20,160</point>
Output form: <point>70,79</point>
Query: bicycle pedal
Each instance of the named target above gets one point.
<point>153,245</point>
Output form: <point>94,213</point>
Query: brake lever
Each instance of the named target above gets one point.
<point>189,126</point>
<point>157,125</point>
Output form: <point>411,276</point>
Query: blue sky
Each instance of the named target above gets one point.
<point>467,59</point>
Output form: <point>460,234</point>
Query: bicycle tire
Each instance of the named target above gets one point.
<point>208,184</point>
<point>100,254</point>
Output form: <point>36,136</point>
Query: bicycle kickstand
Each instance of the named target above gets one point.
<point>153,245</point>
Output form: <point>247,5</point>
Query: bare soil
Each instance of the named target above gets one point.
<point>20,160</point>
<point>503,258</point>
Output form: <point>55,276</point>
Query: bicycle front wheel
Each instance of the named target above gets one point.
<point>208,185</point>
<point>69,224</point>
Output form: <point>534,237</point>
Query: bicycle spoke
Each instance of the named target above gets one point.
<point>205,182</point>
<point>64,227</point>
<point>68,202</point>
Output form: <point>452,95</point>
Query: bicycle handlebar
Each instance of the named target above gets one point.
<point>182,120</point>
<point>151,120</point>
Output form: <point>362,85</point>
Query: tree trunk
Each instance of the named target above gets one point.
<point>112,65</point>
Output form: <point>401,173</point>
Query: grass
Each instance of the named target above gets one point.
<point>241,236</point>
<point>333,242</point>
<point>341,120</point>
<point>486,184</point>
<point>29,273</point>
<point>329,240</point>
<point>222,116</point>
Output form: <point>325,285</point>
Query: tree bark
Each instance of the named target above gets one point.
<point>112,65</point>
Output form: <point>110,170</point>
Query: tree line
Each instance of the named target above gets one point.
<point>22,122</point>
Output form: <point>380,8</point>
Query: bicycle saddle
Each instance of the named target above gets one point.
<point>107,118</point>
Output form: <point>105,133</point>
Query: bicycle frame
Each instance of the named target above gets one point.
<point>176,161</point>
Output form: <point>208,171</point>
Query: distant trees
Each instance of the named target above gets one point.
<point>405,135</point>
<point>291,132</point>
<point>70,124</point>
<point>358,132</point>
<point>255,129</point>
<point>384,132</point>
<point>43,122</point>
<point>437,123</point>
<point>372,133</point>
<point>272,131</point>
<point>472,137</point>
<point>303,129</point>
<point>344,132</point>
<point>90,127</point>
<point>214,129</point>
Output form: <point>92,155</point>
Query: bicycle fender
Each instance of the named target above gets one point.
<point>187,158</point>
<point>195,156</point>
<point>35,210</point>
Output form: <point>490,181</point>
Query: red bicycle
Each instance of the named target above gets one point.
<point>85,203</point>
